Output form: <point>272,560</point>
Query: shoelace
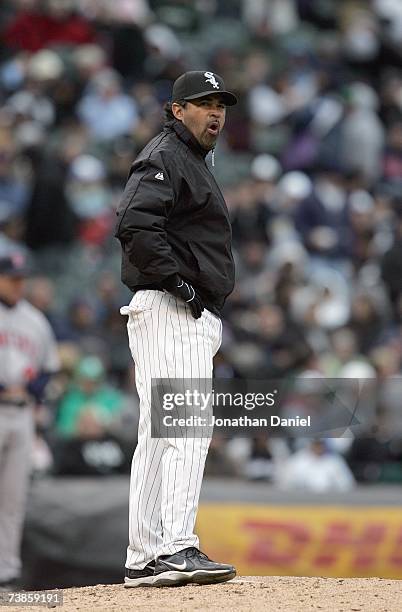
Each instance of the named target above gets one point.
<point>194,552</point>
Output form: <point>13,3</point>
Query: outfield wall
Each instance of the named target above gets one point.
<point>304,540</point>
<point>76,530</point>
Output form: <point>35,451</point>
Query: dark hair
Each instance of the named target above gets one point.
<point>167,109</point>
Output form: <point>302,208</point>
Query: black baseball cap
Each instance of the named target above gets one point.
<point>14,265</point>
<point>199,83</point>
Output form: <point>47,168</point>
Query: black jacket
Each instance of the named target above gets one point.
<point>172,219</point>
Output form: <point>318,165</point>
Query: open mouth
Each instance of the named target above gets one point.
<point>213,128</point>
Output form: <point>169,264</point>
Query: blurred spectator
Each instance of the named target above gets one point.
<point>360,33</point>
<point>250,215</point>
<point>363,226</point>
<point>343,349</point>
<point>54,23</point>
<point>13,188</point>
<point>322,218</point>
<point>376,455</point>
<point>219,462</point>
<point>50,221</point>
<point>391,266</point>
<point>125,21</point>
<point>362,131</point>
<point>278,17</point>
<point>260,465</point>
<point>105,109</point>
<point>90,199</point>
<point>316,136</point>
<point>89,406</point>
<point>366,322</point>
<point>41,294</point>
<point>284,346</point>
<point>386,359</point>
<point>315,469</point>
<point>393,153</point>
<point>82,326</point>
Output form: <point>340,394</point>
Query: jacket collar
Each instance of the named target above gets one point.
<point>187,137</point>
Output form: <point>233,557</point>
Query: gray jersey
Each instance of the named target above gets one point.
<point>27,348</point>
<point>27,345</point>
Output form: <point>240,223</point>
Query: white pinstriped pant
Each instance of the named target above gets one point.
<point>166,473</point>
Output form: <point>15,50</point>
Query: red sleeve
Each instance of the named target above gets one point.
<point>27,31</point>
<point>32,32</point>
<point>75,30</point>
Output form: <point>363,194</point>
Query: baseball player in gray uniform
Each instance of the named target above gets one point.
<point>175,233</point>
<point>28,355</point>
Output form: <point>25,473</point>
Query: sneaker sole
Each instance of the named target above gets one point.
<point>145,581</point>
<point>195,577</point>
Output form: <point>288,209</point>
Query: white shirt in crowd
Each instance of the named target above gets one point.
<point>310,471</point>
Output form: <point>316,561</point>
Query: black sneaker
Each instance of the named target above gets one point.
<point>190,565</point>
<point>138,578</point>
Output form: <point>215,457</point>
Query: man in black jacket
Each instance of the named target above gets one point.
<point>175,233</point>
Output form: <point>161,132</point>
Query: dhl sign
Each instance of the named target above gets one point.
<point>328,541</point>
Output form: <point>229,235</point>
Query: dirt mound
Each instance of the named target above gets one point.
<point>243,594</point>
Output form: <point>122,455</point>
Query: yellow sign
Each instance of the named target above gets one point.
<point>344,541</point>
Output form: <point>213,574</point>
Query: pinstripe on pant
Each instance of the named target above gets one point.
<point>166,473</point>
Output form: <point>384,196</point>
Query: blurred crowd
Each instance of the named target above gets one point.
<point>311,166</point>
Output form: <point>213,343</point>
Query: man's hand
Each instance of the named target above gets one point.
<point>186,292</point>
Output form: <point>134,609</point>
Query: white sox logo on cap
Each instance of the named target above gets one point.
<point>211,79</point>
<point>199,83</point>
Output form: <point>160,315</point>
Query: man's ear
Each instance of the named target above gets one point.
<point>177,111</point>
